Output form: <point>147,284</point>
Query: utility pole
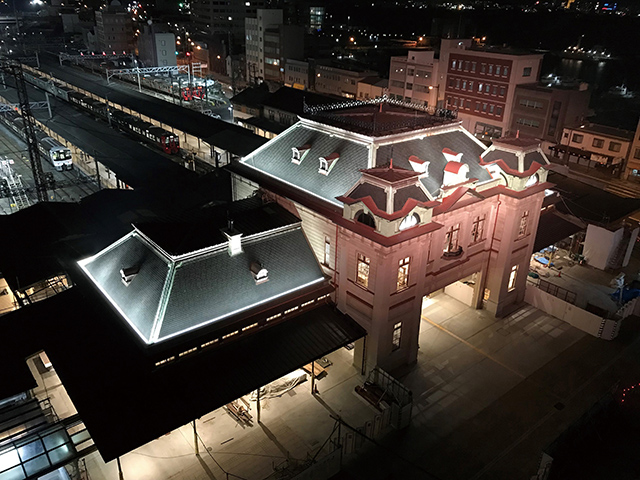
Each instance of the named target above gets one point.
<point>15,69</point>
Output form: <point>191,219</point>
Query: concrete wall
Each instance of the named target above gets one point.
<point>574,316</point>
<point>599,243</point>
<point>461,292</point>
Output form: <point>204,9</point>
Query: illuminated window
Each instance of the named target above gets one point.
<point>397,335</point>
<point>403,273</point>
<point>409,221</point>
<point>512,278</point>
<point>524,221</point>
<point>327,251</point>
<point>362,272</point>
<point>451,245</point>
<point>477,229</point>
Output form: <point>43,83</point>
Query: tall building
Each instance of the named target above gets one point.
<point>398,204</point>
<point>413,78</point>
<point>228,16</point>
<point>269,43</point>
<point>114,29</point>
<point>480,83</point>
<point>542,110</point>
<point>156,46</point>
<point>338,80</point>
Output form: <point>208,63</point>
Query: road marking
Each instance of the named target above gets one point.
<point>462,340</point>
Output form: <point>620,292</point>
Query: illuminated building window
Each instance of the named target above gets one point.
<point>512,278</point>
<point>273,317</point>
<point>396,337</point>
<point>327,251</point>
<point>524,221</point>
<point>451,246</point>
<point>409,221</point>
<point>477,229</point>
<point>362,270</point>
<point>403,273</point>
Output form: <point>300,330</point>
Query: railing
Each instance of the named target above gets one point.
<point>556,291</point>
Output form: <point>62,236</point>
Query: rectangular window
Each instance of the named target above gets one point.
<point>497,69</point>
<point>512,278</point>
<point>483,68</point>
<point>327,251</point>
<point>410,71</point>
<point>457,83</point>
<point>491,107</point>
<point>477,106</point>
<point>499,111</point>
<point>502,91</point>
<point>490,69</point>
<point>362,273</point>
<point>471,85</point>
<point>477,229</point>
<point>464,85</point>
<point>484,107</point>
<point>451,245</point>
<point>598,143</point>
<point>480,87</point>
<point>473,67</point>
<point>403,273</point>
<point>466,66</point>
<point>505,71</point>
<point>409,86</point>
<point>487,87</point>
<point>397,335</point>
<point>577,138</point>
<point>453,65</point>
<point>615,146</point>
<point>526,72</point>
<point>524,220</point>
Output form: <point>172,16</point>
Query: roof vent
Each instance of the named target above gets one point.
<point>298,153</point>
<point>127,274</point>
<point>260,274</point>
<point>234,237</point>
<point>326,163</point>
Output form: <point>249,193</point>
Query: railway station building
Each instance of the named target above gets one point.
<point>397,205</point>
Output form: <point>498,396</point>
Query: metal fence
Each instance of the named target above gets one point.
<point>556,291</point>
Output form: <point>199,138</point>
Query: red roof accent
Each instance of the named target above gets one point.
<point>333,156</point>
<point>448,151</point>
<point>453,167</point>
<point>389,174</point>
<point>415,159</point>
<point>403,212</point>
<point>527,173</point>
<point>305,147</point>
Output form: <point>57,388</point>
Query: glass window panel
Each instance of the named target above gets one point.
<point>30,450</point>
<point>14,474</point>
<point>54,440</point>
<point>60,454</point>
<point>36,465</point>
<point>9,458</point>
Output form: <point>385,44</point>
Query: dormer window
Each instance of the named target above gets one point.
<point>419,165</point>
<point>128,274</point>
<point>298,153</point>
<point>365,218</point>
<point>533,179</point>
<point>260,274</point>
<point>326,163</point>
<point>409,221</point>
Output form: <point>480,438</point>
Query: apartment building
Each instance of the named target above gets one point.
<point>372,87</point>
<point>114,29</point>
<point>156,47</point>
<point>224,16</point>
<point>541,110</point>
<point>599,147</point>
<point>413,78</point>
<point>268,43</point>
<point>479,82</point>
<point>338,80</point>
<point>297,74</point>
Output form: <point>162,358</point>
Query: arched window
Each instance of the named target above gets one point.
<point>533,179</point>
<point>365,218</point>
<point>409,221</point>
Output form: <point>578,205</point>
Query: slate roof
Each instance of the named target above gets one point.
<point>170,296</point>
<point>403,194</point>
<point>430,149</point>
<point>509,158</point>
<point>377,194</point>
<point>275,159</point>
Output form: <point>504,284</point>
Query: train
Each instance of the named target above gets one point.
<point>53,151</point>
<point>160,138</point>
